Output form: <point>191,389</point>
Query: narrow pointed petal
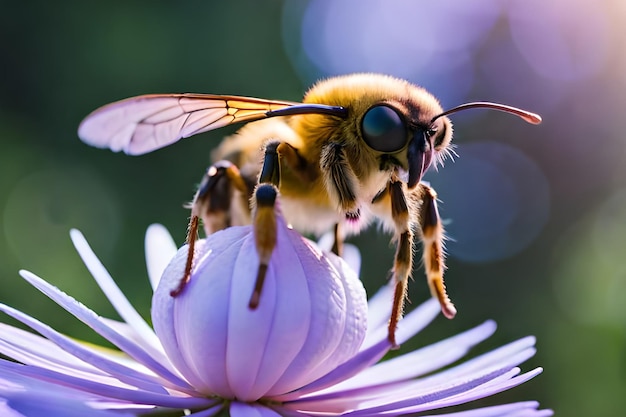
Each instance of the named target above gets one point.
<point>348,369</point>
<point>91,319</point>
<point>528,408</point>
<point>461,378</point>
<point>423,400</point>
<point>26,397</point>
<point>112,291</point>
<point>13,371</point>
<point>379,310</point>
<point>5,409</point>
<point>419,362</point>
<point>466,396</point>
<point>32,349</point>
<point>409,326</point>
<point>84,353</point>
<point>160,249</point>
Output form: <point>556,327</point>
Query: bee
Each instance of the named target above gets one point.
<point>353,152</point>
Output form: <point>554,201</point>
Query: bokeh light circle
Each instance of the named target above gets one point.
<point>429,44</point>
<point>559,39</point>
<point>495,201</point>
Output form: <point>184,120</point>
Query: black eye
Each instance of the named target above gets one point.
<point>383,129</point>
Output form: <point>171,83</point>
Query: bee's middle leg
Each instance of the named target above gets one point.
<point>212,203</point>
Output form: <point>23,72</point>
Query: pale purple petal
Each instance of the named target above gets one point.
<point>348,369</point>
<point>470,374</point>
<point>502,384</point>
<point>112,291</point>
<point>379,310</point>
<point>349,338</point>
<point>305,324</point>
<point>396,404</point>
<point>526,408</point>
<point>481,368</point>
<point>301,348</point>
<point>239,409</point>
<point>6,411</point>
<point>209,412</point>
<point>127,375</point>
<point>498,385</point>
<point>160,249</point>
<point>12,371</point>
<point>22,396</point>
<point>262,343</point>
<point>32,349</point>
<point>209,374</point>
<point>91,319</point>
<point>409,326</point>
<point>511,355</point>
<point>418,362</point>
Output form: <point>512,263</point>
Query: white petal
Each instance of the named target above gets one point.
<point>160,249</point>
<point>352,256</point>
<point>351,253</point>
<point>409,326</point>
<point>379,309</point>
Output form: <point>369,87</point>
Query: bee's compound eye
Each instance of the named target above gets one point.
<point>384,129</point>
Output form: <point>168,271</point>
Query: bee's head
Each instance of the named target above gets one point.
<point>408,131</point>
<point>399,123</point>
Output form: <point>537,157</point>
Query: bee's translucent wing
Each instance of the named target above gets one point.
<point>145,123</point>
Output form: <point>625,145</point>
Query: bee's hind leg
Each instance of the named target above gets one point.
<point>213,203</point>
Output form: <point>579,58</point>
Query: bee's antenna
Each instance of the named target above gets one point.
<point>524,114</point>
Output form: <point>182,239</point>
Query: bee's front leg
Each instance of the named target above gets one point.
<point>403,263</point>
<point>433,253</point>
<point>432,236</point>
<point>212,203</point>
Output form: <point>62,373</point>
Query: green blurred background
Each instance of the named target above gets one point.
<point>537,214</point>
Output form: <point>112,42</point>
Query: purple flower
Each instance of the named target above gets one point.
<point>312,347</point>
